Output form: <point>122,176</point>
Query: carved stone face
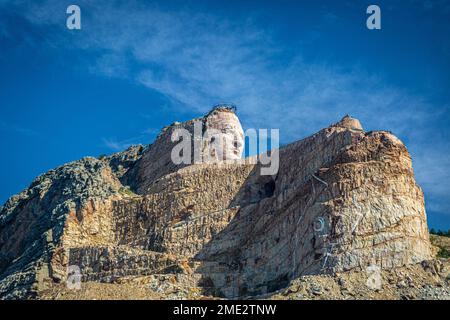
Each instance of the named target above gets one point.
<point>224,137</point>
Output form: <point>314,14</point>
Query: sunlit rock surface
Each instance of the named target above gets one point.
<point>342,200</point>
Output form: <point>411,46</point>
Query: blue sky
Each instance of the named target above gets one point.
<point>135,67</point>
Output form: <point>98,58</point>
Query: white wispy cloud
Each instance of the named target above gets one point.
<point>197,59</point>
<point>14,128</point>
<point>120,145</point>
<point>114,144</point>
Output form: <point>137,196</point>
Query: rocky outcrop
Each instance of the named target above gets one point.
<point>33,222</point>
<point>342,200</point>
<point>214,137</point>
<point>428,280</point>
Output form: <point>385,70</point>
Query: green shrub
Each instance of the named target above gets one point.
<point>440,232</point>
<point>443,253</point>
<point>127,191</point>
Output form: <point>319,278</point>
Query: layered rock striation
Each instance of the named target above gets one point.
<point>342,199</point>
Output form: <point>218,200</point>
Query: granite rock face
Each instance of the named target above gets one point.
<point>342,200</point>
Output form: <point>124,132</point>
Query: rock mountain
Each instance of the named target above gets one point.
<point>342,200</point>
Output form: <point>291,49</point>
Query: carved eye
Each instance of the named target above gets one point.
<point>213,139</point>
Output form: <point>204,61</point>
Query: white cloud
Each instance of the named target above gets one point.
<point>431,163</point>
<point>120,145</point>
<point>196,60</point>
<point>11,127</point>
